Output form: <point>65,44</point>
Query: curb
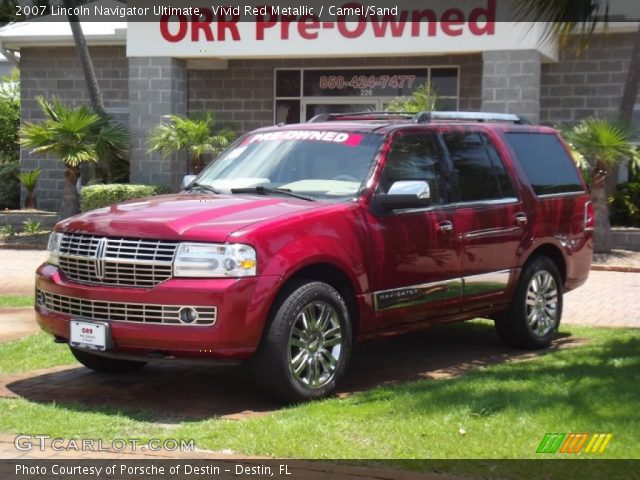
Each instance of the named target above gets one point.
<point>22,246</point>
<point>615,268</point>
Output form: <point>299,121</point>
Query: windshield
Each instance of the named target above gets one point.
<point>319,164</point>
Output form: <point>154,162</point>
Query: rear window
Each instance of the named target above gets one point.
<point>546,163</point>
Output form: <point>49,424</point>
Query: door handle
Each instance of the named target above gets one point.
<point>445,227</point>
<point>521,219</point>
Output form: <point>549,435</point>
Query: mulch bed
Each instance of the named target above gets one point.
<point>23,241</point>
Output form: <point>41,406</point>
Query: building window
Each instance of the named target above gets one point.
<point>300,94</point>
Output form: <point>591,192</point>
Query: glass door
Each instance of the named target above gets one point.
<point>316,106</point>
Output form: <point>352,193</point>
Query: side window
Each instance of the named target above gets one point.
<point>479,169</point>
<point>546,163</point>
<point>504,182</point>
<point>415,157</point>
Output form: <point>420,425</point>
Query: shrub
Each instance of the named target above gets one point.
<point>9,185</point>
<point>625,205</point>
<point>31,226</point>
<point>9,117</point>
<point>98,196</point>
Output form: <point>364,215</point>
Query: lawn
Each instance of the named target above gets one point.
<point>501,411</point>
<point>7,301</point>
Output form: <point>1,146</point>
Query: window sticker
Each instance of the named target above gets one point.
<point>347,139</point>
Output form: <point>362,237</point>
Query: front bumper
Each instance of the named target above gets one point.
<point>242,306</point>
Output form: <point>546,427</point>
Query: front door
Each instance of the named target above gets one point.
<point>316,106</point>
<point>417,252</point>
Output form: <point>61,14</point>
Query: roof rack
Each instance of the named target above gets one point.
<point>426,117</point>
<point>328,117</point>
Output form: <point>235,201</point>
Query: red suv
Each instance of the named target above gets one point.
<point>302,238</point>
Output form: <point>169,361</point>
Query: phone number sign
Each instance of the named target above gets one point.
<point>364,82</point>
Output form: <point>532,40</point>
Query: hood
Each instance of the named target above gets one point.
<point>184,216</point>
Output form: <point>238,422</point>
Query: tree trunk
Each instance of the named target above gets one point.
<point>602,232</point>
<point>30,201</point>
<point>95,97</point>
<point>630,93</point>
<point>197,165</point>
<point>70,197</point>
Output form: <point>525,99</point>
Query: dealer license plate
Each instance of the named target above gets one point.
<point>91,335</point>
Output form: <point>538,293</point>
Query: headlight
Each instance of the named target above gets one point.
<point>214,260</point>
<point>54,247</point>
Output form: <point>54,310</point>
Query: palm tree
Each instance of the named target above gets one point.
<point>196,137</point>
<point>95,96</point>
<point>603,144</point>
<point>77,136</point>
<point>29,181</point>
<point>423,99</point>
<point>563,17</point>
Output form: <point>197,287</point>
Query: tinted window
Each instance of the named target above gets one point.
<point>415,157</point>
<point>479,170</point>
<point>546,163</point>
<point>504,182</point>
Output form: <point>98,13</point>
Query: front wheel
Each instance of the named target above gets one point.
<point>532,320</point>
<point>102,364</point>
<point>307,345</point>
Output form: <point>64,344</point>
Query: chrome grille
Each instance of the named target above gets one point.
<point>121,312</point>
<point>116,261</point>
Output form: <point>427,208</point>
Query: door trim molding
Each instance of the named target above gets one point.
<point>413,295</point>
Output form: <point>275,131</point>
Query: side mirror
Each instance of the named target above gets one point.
<point>406,194</point>
<point>186,180</point>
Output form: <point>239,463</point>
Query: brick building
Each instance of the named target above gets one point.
<point>254,77</point>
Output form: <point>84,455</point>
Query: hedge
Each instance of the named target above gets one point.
<point>98,196</point>
<point>9,185</point>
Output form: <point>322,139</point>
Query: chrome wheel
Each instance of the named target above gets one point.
<point>541,305</point>
<point>315,345</point>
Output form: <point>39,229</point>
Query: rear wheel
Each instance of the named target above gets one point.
<point>307,345</point>
<point>534,315</point>
<point>104,364</point>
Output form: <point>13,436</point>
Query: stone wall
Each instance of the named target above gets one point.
<point>157,87</point>
<point>55,71</point>
<point>511,83</point>
<point>587,83</point>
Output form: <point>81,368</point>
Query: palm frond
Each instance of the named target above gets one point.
<point>423,99</point>
<point>604,142</point>
<point>564,17</point>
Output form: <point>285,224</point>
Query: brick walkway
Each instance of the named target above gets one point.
<point>608,299</point>
<point>17,270</point>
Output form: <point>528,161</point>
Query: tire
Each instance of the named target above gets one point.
<point>307,344</point>
<point>101,364</point>
<point>533,318</point>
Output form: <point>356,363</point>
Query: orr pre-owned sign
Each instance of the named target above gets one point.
<point>348,28</point>
<point>351,20</point>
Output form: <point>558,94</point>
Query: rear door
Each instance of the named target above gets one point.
<point>489,216</point>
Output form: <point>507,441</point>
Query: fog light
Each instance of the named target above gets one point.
<point>187,315</point>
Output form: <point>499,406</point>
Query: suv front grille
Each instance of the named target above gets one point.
<point>116,261</point>
<point>121,312</point>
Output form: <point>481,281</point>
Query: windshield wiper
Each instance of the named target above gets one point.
<point>201,186</point>
<point>261,190</point>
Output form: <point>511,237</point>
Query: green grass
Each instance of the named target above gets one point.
<point>16,301</point>
<point>504,410</point>
<point>31,353</point>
